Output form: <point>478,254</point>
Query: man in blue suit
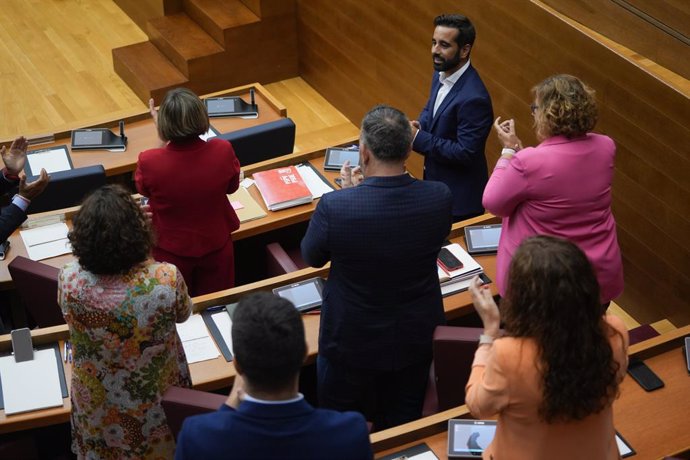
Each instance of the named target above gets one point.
<point>265,417</point>
<point>382,299</point>
<point>455,122</point>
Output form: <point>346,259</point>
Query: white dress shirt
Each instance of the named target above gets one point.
<point>447,83</point>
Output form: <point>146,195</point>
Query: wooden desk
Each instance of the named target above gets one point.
<point>218,373</point>
<point>141,132</point>
<point>655,423</point>
<point>273,220</point>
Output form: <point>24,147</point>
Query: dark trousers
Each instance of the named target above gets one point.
<point>385,398</point>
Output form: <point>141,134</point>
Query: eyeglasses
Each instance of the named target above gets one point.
<point>533,108</point>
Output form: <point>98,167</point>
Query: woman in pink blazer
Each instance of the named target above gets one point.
<point>187,182</point>
<point>552,379</point>
<point>561,187</point>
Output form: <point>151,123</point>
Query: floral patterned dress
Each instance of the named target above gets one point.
<point>126,355</point>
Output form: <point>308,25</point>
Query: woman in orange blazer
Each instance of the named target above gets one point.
<point>552,379</point>
<point>187,182</point>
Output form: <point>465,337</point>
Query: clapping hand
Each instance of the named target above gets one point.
<point>351,177</point>
<point>485,306</point>
<point>31,190</point>
<point>15,157</point>
<point>153,111</point>
<point>505,130</point>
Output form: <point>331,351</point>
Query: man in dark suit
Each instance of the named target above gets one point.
<point>455,122</point>
<point>265,416</point>
<point>382,299</point>
<point>14,159</point>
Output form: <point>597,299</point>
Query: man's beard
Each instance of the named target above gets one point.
<point>445,64</point>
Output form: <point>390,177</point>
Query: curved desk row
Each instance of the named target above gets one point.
<point>655,424</point>
<point>141,132</point>
<point>218,373</point>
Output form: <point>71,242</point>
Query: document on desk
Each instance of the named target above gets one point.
<point>224,325</point>
<point>316,183</point>
<point>45,242</point>
<point>30,385</point>
<point>196,341</point>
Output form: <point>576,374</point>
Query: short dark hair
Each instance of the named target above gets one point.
<point>386,132</point>
<point>552,297</point>
<point>466,32</point>
<point>268,340</point>
<point>110,233</point>
<point>182,116</point>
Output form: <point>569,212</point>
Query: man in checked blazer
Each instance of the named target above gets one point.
<point>382,299</point>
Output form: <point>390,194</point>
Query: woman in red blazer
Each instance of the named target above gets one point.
<point>186,182</point>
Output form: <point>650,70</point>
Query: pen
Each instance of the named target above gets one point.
<point>65,347</point>
<point>69,353</point>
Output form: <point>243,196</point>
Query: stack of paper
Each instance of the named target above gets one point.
<point>470,268</point>
<point>196,341</point>
<point>245,206</point>
<point>45,242</point>
<point>316,184</point>
<point>30,385</point>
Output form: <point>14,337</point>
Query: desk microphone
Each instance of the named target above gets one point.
<point>251,97</point>
<point>122,132</point>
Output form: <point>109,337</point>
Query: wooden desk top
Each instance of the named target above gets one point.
<point>273,220</point>
<point>141,132</point>
<point>654,423</point>
<point>218,373</point>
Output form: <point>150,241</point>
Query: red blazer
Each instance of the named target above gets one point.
<point>186,184</point>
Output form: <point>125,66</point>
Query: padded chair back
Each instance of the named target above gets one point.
<point>36,284</point>
<point>262,142</point>
<point>454,349</point>
<point>68,188</point>
<point>279,261</point>
<point>180,403</point>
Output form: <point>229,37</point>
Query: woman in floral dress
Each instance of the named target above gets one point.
<point>121,308</point>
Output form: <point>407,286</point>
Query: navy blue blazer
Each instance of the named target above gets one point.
<point>11,216</point>
<point>274,431</point>
<point>453,141</point>
<point>382,299</point>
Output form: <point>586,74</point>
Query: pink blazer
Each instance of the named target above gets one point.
<point>506,381</point>
<point>562,187</point>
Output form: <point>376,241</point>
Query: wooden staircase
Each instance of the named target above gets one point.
<point>208,45</point>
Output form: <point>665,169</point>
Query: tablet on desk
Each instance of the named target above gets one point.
<point>53,159</point>
<point>336,157</point>
<point>230,107</point>
<point>305,295</point>
<point>482,239</point>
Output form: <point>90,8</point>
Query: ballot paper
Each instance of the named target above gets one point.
<point>47,241</point>
<point>196,341</point>
<point>30,385</point>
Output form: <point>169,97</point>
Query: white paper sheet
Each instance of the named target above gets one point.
<point>45,242</point>
<point>208,135</point>
<point>30,385</point>
<point>201,349</point>
<point>224,325</point>
<point>53,160</point>
<point>314,183</point>
<point>193,328</point>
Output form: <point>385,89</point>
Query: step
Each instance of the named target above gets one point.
<point>183,41</point>
<point>147,71</point>
<point>217,17</point>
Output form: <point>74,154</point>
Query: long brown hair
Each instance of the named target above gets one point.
<point>553,297</point>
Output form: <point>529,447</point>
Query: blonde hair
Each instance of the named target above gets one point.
<point>566,106</point>
<point>182,115</point>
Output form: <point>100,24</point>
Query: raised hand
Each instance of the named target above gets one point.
<point>15,157</point>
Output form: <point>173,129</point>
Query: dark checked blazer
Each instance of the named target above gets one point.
<point>382,299</point>
<point>11,216</point>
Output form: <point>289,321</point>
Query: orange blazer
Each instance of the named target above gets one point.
<point>510,385</point>
<point>187,186</point>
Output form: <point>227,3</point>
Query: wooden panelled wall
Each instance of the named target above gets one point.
<point>358,53</point>
<point>623,21</point>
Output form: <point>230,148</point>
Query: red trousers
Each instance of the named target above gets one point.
<point>210,273</point>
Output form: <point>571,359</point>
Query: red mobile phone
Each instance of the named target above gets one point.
<point>448,261</point>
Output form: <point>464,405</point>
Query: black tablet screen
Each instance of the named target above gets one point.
<point>88,138</point>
